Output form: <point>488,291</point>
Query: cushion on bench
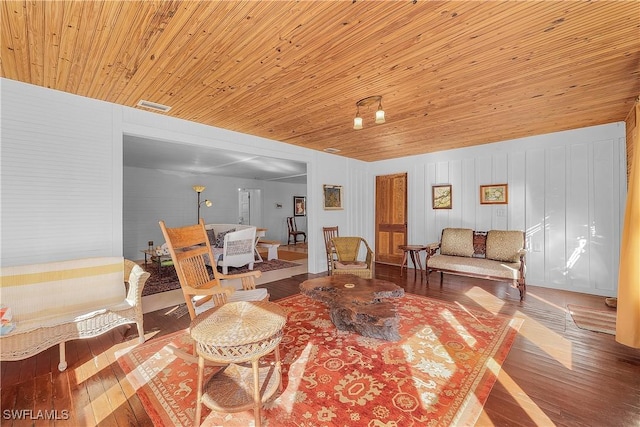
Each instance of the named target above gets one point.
<point>54,292</point>
<point>59,301</point>
<point>457,242</point>
<point>504,245</point>
<point>353,264</point>
<point>475,266</point>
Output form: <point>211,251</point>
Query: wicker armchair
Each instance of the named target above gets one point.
<point>350,252</point>
<point>189,247</point>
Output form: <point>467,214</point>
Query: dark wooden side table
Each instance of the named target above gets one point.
<point>414,253</point>
<point>360,305</point>
<point>151,254</point>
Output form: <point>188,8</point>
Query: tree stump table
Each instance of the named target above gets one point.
<point>357,304</point>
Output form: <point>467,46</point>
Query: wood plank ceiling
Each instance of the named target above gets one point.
<point>452,74</point>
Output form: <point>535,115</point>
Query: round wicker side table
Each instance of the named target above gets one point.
<point>238,334</point>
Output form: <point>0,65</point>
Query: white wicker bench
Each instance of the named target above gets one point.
<point>56,302</point>
<point>272,248</point>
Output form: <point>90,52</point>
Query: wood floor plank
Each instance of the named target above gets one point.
<point>8,396</point>
<point>25,395</point>
<point>79,382</point>
<point>28,369</point>
<point>43,402</point>
<point>61,398</point>
<point>118,407</point>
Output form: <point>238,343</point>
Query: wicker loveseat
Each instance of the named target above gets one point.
<point>55,302</point>
<point>496,255</point>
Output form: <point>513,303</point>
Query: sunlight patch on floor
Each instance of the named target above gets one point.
<point>553,344</point>
<point>296,374</point>
<point>556,346</point>
<point>489,302</point>
<point>461,330</point>
<point>534,412</point>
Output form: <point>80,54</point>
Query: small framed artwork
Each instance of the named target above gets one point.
<point>332,197</point>
<point>441,196</point>
<point>496,194</point>
<point>299,206</point>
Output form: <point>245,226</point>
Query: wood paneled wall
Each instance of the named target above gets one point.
<point>566,190</point>
<point>565,196</point>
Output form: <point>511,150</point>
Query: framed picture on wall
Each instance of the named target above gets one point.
<point>332,197</point>
<point>496,194</point>
<point>299,206</point>
<point>441,196</point>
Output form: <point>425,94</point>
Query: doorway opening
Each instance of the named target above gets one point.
<point>250,206</point>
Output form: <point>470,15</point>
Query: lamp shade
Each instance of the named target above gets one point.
<point>357,123</point>
<point>380,116</point>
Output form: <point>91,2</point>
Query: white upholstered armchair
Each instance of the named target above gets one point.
<point>238,249</point>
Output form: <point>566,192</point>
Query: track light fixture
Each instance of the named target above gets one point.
<point>370,100</point>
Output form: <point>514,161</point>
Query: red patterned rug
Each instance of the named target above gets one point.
<point>439,374</point>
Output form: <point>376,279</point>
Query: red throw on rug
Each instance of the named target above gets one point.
<point>440,373</point>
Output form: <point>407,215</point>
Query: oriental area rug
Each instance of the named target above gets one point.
<point>439,374</point>
<point>167,279</point>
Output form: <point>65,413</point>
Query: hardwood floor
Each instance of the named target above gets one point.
<point>555,374</point>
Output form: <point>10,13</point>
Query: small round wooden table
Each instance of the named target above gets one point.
<point>235,333</point>
<point>414,252</point>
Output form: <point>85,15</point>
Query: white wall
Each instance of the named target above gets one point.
<point>60,176</point>
<point>61,187</point>
<point>61,173</point>
<point>152,195</point>
<point>566,190</point>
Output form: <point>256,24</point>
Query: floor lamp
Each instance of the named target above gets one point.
<point>199,189</point>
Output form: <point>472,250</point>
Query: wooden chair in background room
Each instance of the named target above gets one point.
<point>203,289</point>
<point>329,233</point>
<point>293,231</point>
<point>354,257</point>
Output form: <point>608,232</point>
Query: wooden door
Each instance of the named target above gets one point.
<point>244,207</point>
<point>391,217</point>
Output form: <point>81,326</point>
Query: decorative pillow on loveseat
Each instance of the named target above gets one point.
<point>457,242</point>
<point>211,234</point>
<point>220,238</point>
<point>503,245</point>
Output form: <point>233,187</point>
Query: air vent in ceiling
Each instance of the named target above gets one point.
<point>331,150</point>
<point>153,106</point>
